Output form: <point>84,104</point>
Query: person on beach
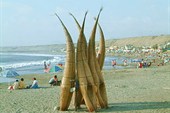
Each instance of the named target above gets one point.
<point>53,81</point>
<point>113,63</point>
<point>34,84</point>
<point>144,64</point>
<point>14,86</point>
<point>125,62</point>
<point>140,65</point>
<point>45,65</point>
<point>149,64</point>
<point>21,84</point>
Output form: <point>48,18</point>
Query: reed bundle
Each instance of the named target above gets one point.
<point>86,68</point>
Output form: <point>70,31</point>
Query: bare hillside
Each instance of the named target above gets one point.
<point>41,49</point>
<point>140,41</point>
<point>60,48</point>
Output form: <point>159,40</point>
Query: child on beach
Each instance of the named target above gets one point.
<point>14,86</point>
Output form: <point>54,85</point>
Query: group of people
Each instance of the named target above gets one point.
<point>144,64</point>
<point>125,63</point>
<point>21,84</point>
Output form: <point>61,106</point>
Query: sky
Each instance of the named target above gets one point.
<point>33,22</point>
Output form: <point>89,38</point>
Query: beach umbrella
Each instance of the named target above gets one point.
<point>10,73</point>
<point>56,69</point>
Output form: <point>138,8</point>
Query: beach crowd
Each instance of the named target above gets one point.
<point>21,84</point>
<point>34,85</point>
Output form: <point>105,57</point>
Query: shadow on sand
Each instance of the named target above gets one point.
<point>115,107</point>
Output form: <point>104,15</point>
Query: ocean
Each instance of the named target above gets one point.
<point>23,63</point>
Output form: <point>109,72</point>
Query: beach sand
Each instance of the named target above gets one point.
<point>134,90</point>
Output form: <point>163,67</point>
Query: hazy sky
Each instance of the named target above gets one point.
<point>32,22</point>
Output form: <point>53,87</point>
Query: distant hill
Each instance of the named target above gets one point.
<point>60,48</point>
<point>139,41</point>
<point>39,49</point>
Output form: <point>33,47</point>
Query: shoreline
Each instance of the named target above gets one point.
<point>24,67</point>
<point>106,67</point>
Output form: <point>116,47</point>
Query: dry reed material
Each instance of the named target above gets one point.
<point>100,62</point>
<point>88,67</point>
<point>84,38</point>
<point>91,86</point>
<point>101,52</point>
<point>69,71</point>
<point>92,62</point>
<point>78,96</point>
<point>83,72</point>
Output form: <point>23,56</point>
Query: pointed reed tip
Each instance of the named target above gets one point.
<point>56,14</point>
<point>86,12</point>
<point>70,14</point>
<point>95,18</point>
<point>101,8</point>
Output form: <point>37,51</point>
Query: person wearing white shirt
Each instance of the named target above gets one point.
<point>34,84</point>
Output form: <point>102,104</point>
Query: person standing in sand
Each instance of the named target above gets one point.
<point>125,62</point>
<point>140,64</point>
<point>45,65</point>
<point>113,63</point>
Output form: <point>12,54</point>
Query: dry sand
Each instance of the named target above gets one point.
<point>128,90</point>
